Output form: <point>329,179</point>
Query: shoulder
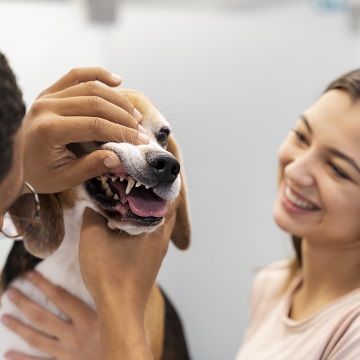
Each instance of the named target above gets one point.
<point>272,276</point>
<point>347,336</point>
<point>269,285</point>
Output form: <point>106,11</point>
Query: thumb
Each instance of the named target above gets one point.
<point>92,165</point>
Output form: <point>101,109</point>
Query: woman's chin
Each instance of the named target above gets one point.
<point>283,221</point>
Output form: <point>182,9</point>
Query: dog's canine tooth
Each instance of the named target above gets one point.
<point>116,197</point>
<point>111,226</point>
<point>109,192</point>
<point>138,183</point>
<point>130,185</point>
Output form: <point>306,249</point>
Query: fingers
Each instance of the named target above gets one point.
<point>89,166</point>
<point>93,88</point>
<point>41,318</point>
<point>69,304</point>
<point>12,355</point>
<point>85,129</point>
<point>33,337</point>
<point>79,75</point>
<point>87,106</point>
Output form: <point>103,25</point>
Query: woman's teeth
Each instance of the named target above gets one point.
<point>298,202</point>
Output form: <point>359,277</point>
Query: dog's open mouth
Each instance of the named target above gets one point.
<point>124,199</point>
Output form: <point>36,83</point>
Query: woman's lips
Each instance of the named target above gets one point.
<point>296,202</point>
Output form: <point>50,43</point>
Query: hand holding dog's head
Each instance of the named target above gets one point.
<point>134,198</point>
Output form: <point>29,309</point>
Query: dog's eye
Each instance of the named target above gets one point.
<point>163,135</point>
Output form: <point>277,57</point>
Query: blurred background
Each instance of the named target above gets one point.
<point>232,77</point>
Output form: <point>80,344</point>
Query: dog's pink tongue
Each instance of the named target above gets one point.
<point>142,202</point>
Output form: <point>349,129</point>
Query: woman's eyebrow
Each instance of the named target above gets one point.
<point>345,157</point>
<point>306,122</point>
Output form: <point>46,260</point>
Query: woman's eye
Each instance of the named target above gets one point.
<point>339,172</point>
<point>301,136</point>
<point>163,135</point>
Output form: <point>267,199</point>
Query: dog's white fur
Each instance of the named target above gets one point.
<point>62,266</point>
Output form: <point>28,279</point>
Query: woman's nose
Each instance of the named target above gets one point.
<point>301,171</point>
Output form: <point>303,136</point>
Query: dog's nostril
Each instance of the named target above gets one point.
<point>159,165</point>
<point>165,167</point>
<point>175,170</point>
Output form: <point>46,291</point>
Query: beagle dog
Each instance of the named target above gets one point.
<point>134,198</point>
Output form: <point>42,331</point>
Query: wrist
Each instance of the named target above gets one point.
<point>122,330</point>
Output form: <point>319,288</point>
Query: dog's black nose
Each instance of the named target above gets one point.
<point>165,167</point>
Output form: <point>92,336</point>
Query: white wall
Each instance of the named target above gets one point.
<point>232,84</point>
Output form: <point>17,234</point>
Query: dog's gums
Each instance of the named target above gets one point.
<point>124,199</point>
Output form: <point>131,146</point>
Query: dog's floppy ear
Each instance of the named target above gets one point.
<point>47,234</point>
<point>181,234</point>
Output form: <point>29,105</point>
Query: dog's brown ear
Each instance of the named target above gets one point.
<point>47,234</point>
<point>181,234</point>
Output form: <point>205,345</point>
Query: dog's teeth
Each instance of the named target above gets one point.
<point>147,187</point>
<point>111,226</point>
<point>122,179</point>
<point>104,180</point>
<point>138,183</point>
<point>114,178</point>
<point>108,191</point>
<point>116,197</point>
<point>130,185</point>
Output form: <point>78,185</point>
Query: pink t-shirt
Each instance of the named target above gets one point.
<point>332,333</point>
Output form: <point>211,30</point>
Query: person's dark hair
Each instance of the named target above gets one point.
<point>350,83</point>
<point>12,112</point>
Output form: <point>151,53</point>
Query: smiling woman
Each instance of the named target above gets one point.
<point>310,306</point>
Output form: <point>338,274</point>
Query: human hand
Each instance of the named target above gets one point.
<point>77,108</point>
<point>77,338</point>
<point>119,271</point>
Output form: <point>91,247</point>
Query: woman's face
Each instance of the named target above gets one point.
<point>13,182</point>
<point>319,173</point>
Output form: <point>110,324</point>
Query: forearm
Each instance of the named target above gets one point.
<point>122,333</point>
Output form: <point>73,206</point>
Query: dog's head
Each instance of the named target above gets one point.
<point>135,197</point>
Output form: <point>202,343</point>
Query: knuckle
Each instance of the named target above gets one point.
<point>37,106</point>
<point>42,130</point>
<point>90,86</point>
<point>96,125</point>
<point>95,102</point>
<point>38,317</point>
<point>55,293</point>
<point>129,135</point>
<point>74,73</point>
<point>33,340</point>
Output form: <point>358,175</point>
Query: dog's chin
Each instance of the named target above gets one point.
<point>132,229</point>
<point>130,208</point>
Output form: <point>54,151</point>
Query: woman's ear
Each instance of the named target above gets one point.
<point>181,235</point>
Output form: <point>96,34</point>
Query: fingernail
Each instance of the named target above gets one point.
<point>112,162</point>
<point>116,77</point>
<point>137,114</point>
<point>141,129</point>
<point>5,320</point>
<point>143,138</point>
